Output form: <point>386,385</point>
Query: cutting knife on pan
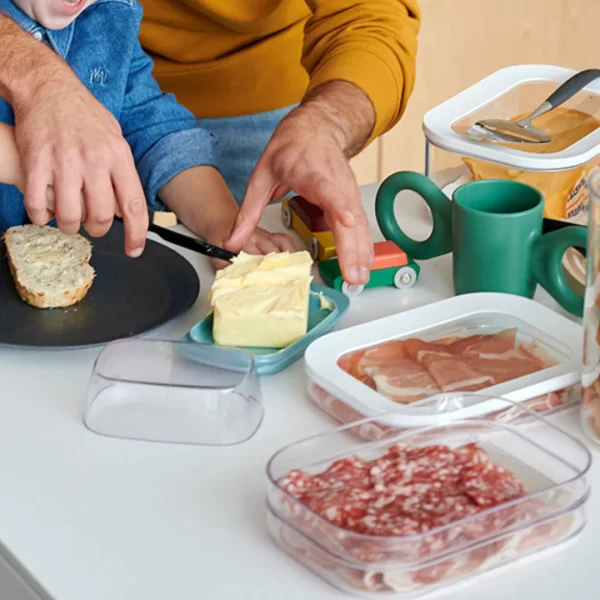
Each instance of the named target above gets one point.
<point>190,243</point>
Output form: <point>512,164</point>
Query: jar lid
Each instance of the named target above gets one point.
<point>506,94</point>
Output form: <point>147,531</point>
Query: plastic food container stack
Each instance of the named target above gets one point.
<point>496,344</point>
<point>548,462</point>
<point>559,169</point>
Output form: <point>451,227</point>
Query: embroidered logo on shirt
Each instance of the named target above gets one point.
<point>98,75</point>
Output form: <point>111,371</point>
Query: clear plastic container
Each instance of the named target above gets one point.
<point>550,463</point>
<point>559,169</point>
<point>374,429</point>
<point>497,344</point>
<point>178,392</point>
<point>590,379</point>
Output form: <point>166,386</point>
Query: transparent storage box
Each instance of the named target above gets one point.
<point>375,428</point>
<point>497,344</point>
<point>551,464</point>
<point>178,392</point>
<point>559,169</point>
<point>590,378</point>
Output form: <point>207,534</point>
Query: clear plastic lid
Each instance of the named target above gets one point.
<point>177,392</point>
<point>515,92</point>
<point>426,507</point>
<point>506,345</point>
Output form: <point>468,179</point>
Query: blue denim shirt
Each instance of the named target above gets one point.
<point>102,48</point>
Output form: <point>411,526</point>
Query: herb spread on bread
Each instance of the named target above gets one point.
<point>50,269</point>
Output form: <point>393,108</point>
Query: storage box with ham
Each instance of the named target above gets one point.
<point>431,506</point>
<point>499,345</point>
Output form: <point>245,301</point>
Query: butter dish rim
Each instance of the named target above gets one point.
<point>280,358</point>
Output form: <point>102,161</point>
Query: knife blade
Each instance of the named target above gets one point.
<point>190,243</point>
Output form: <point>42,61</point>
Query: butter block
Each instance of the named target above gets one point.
<point>262,301</point>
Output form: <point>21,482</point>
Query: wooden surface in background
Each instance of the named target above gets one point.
<point>462,41</point>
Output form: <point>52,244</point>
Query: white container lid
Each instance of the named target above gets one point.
<point>438,123</point>
<point>470,313</point>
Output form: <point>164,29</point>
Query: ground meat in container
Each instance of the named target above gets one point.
<point>408,492</point>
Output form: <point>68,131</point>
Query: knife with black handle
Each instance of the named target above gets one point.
<point>190,243</point>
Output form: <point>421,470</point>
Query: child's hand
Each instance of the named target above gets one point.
<point>260,242</point>
<point>201,199</point>
<point>10,165</point>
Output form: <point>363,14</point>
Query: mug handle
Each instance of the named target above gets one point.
<point>548,251</point>
<point>440,240</point>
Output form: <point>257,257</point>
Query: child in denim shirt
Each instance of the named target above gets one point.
<point>177,161</point>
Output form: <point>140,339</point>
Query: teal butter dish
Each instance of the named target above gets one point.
<point>326,307</point>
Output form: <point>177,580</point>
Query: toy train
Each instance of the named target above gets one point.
<point>391,266</point>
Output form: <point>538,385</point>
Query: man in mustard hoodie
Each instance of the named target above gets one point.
<point>292,88</point>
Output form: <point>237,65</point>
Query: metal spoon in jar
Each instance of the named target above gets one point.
<point>503,131</point>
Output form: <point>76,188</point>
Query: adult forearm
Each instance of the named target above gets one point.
<point>371,43</point>
<point>349,111</point>
<point>21,59</point>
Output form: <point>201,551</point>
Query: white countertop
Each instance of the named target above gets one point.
<point>85,517</point>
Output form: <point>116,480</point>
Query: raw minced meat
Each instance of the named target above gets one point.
<point>407,490</point>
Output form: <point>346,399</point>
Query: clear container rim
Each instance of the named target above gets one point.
<point>484,513</point>
<point>98,373</point>
<point>430,561</point>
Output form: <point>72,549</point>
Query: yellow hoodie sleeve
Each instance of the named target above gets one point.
<point>371,43</point>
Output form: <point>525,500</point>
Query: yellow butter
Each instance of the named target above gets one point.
<point>262,301</point>
<point>325,303</point>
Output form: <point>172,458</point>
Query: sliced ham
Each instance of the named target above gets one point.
<point>449,371</point>
<point>383,355</point>
<point>475,362</point>
<point>404,382</point>
<point>485,344</point>
<point>538,354</point>
<point>453,374</point>
<point>351,364</point>
<point>503,367</point>
<point>413,369</point>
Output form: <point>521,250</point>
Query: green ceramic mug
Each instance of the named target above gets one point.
<point>494,230</point>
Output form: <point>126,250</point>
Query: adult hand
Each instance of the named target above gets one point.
<point>308,154</point>
<point>68,141</point>
<point>85,160</point>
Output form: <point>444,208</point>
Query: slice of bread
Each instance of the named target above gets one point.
<point>51,269</point>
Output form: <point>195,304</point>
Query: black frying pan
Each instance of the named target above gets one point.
<point>129,297</point>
